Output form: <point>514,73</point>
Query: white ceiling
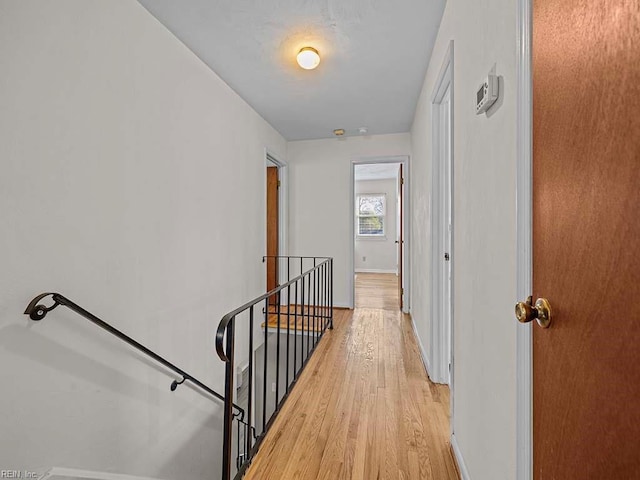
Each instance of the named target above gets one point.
<point>374,57</point>
<point>376,171</point>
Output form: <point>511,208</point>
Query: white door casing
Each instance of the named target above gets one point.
<point>406,224</point>
<point>524,265</point>
<point>442,257</point>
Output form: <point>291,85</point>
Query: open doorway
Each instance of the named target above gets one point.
<point>272,228</point>
<point>378,235</point>
<point>276,221</point>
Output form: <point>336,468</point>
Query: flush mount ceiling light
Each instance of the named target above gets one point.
<point>308,58</point>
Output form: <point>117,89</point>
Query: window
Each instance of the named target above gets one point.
<point>370,210</point>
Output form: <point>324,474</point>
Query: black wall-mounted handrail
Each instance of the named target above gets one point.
<point>38,311</point>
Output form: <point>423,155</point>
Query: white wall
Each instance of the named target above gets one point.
<point>320,204</point>
<point>132,179</point>
<point>484,253</point>
<point>379,253</point>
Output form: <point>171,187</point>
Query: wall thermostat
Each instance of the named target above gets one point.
<point>487,94</point>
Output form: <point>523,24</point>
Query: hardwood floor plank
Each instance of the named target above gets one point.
<point>377,290</point>
<point>364,408</point>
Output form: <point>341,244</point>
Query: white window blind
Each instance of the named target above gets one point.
<point>370,212</point>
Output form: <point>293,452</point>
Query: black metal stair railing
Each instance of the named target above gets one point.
<point>37,311</point>
<point>300,310</point>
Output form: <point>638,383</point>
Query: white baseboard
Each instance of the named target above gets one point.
<point>423,352</point>
<point>71,473</point>
<point>376,270</point>
<point>464,473</point>
<point>343,305</point>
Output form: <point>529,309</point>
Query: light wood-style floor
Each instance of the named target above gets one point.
<point>298,318</point>
<point>363,408</point>
<point>377,290</point>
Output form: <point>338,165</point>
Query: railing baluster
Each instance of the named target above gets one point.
<point>322,292</point>
<point>238,444</point>
<point>321,274</point>
<point>327,299</point>
<point>326,296</point>
<point>264,378</point>
<point>321,301</point>
<point>316,296</point>
<point>316,306</point>
<point>228,404</point>
<point>302,322</point>
<point>288,318</point>
<point>250,392</point>
<point>325,312</point>
<point>312,317</point>
<point>327,287</point>
<point>331,292</point>
<point>278,359</point>
<point>314,303</point>
<point>312,288</point>
<point>308,315</point>
<point>295,338</point>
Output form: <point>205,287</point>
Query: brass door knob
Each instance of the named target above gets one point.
<point>541,312</point>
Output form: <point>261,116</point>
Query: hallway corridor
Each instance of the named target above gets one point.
<point>376,290</point>
<point>363,408</point>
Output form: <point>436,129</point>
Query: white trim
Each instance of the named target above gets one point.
<point>372,238</point>
<point>82,474</point>
<point>464,472</point>
<point>441,373</point>
<point>524,357</point>
<point>406,270</point>
<point>343,305</point>
<point>423,352</point>
<point>375,270</point>
<point>446,73</point>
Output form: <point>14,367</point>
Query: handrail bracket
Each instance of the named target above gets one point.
<point>38,311</point>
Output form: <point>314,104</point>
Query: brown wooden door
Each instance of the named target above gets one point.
<point>272,229</point>
<point>586,238</point>
<point>400,234</point>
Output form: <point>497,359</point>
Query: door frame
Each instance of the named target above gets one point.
<point>440,371</point>
<point>272,159</point>
<point>524,241</point>
<point>406,219</point>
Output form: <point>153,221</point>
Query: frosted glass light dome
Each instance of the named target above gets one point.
<point>308,58</point>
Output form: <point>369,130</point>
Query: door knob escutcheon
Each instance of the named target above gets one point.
<point>541,311</point>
